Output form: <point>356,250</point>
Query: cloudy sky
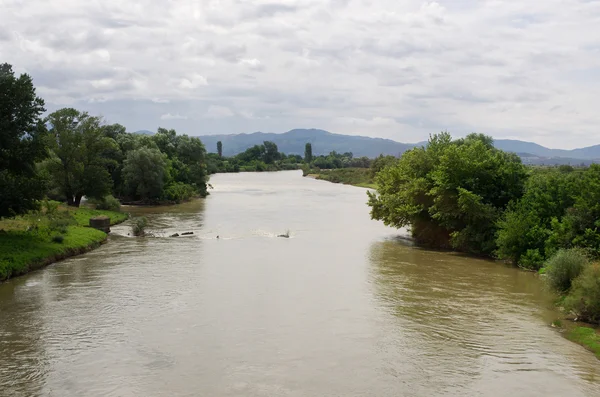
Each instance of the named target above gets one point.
<point>400,69</point>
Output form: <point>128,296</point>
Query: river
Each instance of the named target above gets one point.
<point>345,307</point>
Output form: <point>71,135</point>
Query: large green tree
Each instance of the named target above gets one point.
<point>79,159</point>
<point>22,143</point>
<point>145,173</point>
<point>220,148</point>
<point>450,193</point>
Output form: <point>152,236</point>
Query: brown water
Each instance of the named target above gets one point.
<point>343,308</point>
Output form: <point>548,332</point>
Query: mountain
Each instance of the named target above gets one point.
<point>294,141</point>
<point>510,145</point>
<point>323,142</point>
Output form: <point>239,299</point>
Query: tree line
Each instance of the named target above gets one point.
<point>70,154</point>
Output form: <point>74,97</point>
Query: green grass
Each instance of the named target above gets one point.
<point>22,251</point>
<point>361,177</point>
<point>587,337</point>
<point>83,215</point>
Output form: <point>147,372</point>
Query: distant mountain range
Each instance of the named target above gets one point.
<point>323,142</point>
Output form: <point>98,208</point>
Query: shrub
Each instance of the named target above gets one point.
<point>58,239</point>
<point>584,298</point>
<point>179,191</point>
<point>107,203</point>
<point>564,267</point>
<point>531,260</point>
<point>138,226</point>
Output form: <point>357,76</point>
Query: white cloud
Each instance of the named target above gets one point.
<point>217,112</point>
<point>176,116</point>
<point>251,63</point>
<point>395,68</point>
<point>192,82</point>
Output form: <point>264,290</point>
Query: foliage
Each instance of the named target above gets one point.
<point>179,191</point>
<point>559,210</point>
<point>107,203</point>
<point>308,154</point>
<point>564,267</point>
<point>382,162</point>
<point>451,193</point>
<point>78,163</point>
<point>145,173</point>
<point>220,148</point>
<point>258,158</point>
<point>531,260</point>
<point>22,143</point>
<point>58,239</point>
<point>584,298</point>
<point>138,226</point>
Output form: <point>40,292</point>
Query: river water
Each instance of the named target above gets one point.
<point>345,307</point>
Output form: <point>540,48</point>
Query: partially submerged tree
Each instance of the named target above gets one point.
<point>451,193</point>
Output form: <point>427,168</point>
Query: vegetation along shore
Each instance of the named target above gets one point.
<point>55,232</point>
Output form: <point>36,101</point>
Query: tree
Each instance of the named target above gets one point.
<point>220,148</point>
<point>166,140</point>
<point>308,155</point>
<point>22,143</point>
<point>271,152</point>
<point>451,193</point>
<point>145,173</point>
<point>525,227</point>
<point>79,162</point>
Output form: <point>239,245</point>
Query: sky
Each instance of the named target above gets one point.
<point>398,69</point>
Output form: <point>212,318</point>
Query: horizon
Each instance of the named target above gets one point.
<point>374,137</point>
<point>397,70</point>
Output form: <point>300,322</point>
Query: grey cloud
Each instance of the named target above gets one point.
<point>269,10</point>
<point>67,40</point>
<point>4,34</point>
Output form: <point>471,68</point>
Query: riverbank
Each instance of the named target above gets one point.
<point>360,177</point>
<point>587,337</point>
<point>36,240</point>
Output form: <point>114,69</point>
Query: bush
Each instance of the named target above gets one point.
<point>584,298</point>
<point>107,203</point>
<point>138,226</point>
<point>564,267</point>
<point>531,260</point>
<point>58,239</point>
<point>179,191</point>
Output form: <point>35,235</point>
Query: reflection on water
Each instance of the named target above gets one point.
<point>343,308</point>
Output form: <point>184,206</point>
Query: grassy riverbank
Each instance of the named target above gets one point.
<point>361,177</point>
<point>586,337</point>
<point>35,240</point>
